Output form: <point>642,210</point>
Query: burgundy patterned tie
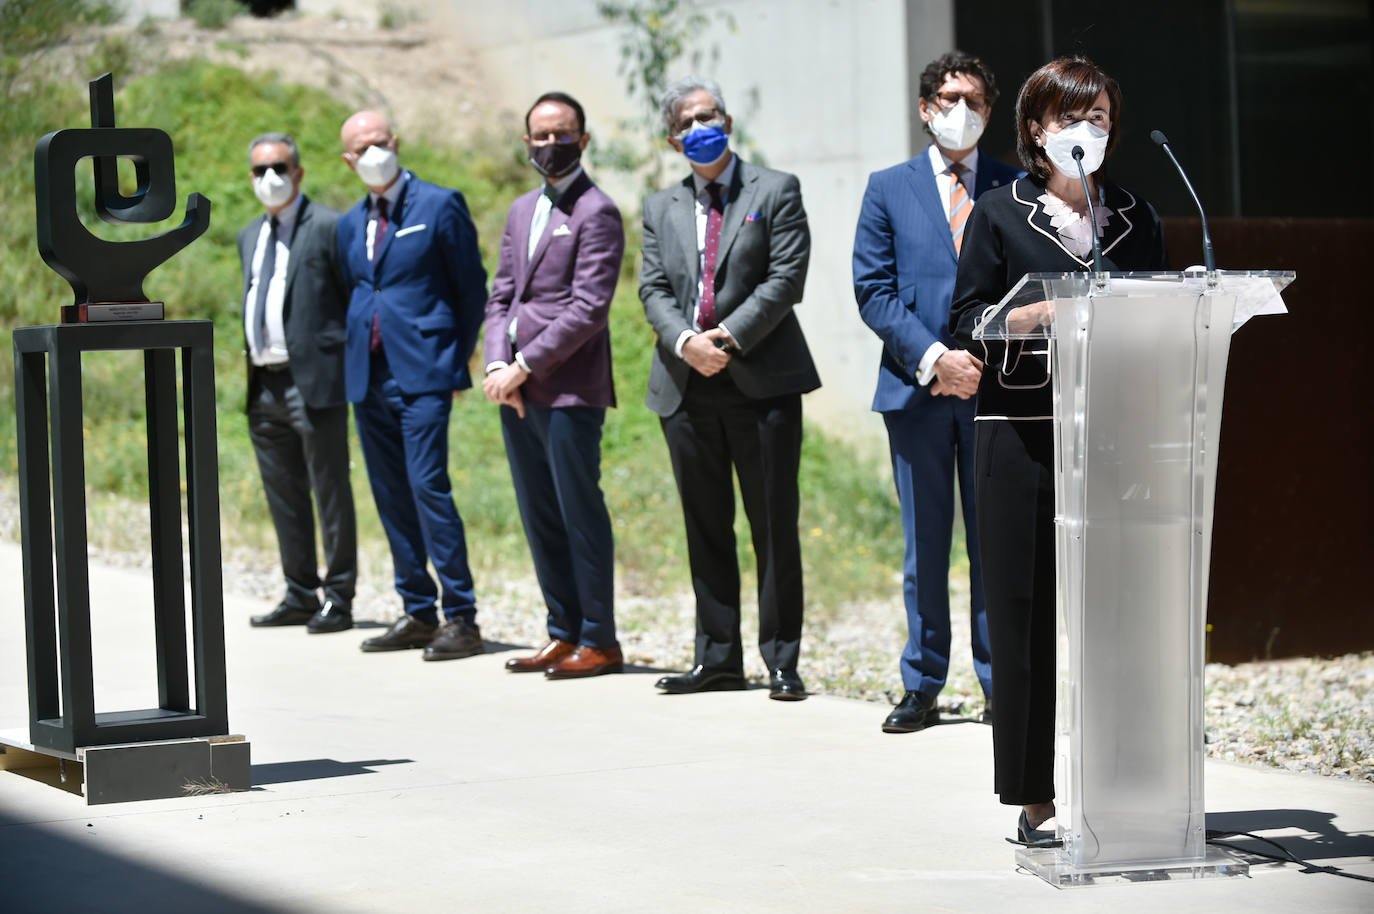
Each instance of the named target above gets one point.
<point>374,341</point>
<point>714,215</point>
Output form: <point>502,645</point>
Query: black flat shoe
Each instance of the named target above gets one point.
<point>701,679</point>
<point>454,640</point>
<point>283,615</point>
<point>405,633</point>
<point>786,685</point>
<point>914,712</point>
<point>332,617</point>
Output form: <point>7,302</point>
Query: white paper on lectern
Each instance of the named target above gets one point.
<point>1255,295</point>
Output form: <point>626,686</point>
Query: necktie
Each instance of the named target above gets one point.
<point>540,221</point>
<point>715,213</point>
<point>382,225</point>
<point>265,271</point>
<point>959,205</point>
<point>374,340</point>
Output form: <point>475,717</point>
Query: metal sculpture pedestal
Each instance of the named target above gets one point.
<point>63,722</point>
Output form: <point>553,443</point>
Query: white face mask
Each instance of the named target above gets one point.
<point>1059,148</point>
<point>377,166</point>
<point>273,190</point>
<point>958,127</point>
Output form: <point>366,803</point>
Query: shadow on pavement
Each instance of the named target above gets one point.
<point>1324,840</point>
<point>316,769</point>
<point>48,871</point>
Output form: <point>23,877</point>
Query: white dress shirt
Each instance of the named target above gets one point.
<point>391,195</point>
<point>703,206</point>
<point>273,351</point>
<point>944,182</point>
<point>539,221</point>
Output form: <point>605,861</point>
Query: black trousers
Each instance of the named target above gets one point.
<point>1015,506</point>
<point>718,428</point>
<point>301,450</point>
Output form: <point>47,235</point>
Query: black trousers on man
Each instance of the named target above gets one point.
<point>718,428</point>
<point>301,450</point>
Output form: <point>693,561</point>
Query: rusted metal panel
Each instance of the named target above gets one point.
<point>1291,546</point>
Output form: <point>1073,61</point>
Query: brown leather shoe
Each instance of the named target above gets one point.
<point>587,661</point>
<point>544,658</point>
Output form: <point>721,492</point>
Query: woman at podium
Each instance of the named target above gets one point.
<point>1036,224</point>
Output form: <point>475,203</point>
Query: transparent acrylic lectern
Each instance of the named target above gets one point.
<point>1138,367</point>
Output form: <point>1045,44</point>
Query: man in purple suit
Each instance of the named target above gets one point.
<point>548,355</point>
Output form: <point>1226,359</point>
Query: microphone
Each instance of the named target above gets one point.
<point>1077,153</point>
<point>1208,258</point>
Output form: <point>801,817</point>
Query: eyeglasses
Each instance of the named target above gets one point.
<point>975,101</point>
<point>280,168</point>
<point>708,116</point>
<point>561,140</point>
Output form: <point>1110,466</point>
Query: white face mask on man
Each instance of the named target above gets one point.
<point>273,190</point>
<point>958,127</point>
<point>1059,148</point>
<point>377,166</point>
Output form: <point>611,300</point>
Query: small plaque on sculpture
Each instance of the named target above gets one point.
<point>107,276</point>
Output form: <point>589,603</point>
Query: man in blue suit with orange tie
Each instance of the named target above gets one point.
<point>417,293</point>
<point>906,253</point>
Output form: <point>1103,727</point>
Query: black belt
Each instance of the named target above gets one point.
<point>275,367</point>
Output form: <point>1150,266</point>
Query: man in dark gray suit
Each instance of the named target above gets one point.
<point>724,261</point>
<point>294,306</point>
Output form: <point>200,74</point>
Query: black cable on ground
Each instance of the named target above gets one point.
<point>1285,856</point>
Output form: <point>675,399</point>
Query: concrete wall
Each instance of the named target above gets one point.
<point>824,89</point>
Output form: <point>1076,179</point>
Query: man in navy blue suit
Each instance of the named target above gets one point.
<point>906,253</point>
<point>417,297</point>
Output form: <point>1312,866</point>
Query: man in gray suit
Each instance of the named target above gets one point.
<point>294,304</point>
<point>724,261</point>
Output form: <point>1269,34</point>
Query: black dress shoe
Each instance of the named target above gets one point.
<point>454,640</point>
<point>914,712</point>
<point>786,685</point>
<point>406,632</point>
<point>701,679</point>
<point>332,617</point>
<point>283,615</point>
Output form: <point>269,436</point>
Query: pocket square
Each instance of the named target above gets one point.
<point>562,230</point>
<point>752,217</point>
<point>411,228</point>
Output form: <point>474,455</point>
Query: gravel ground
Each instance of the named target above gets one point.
<point>1304,714</point>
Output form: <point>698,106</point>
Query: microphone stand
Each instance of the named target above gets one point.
<point>1209,261</point>
<point>1100,278</point>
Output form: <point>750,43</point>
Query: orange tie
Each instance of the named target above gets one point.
<point>959,204</point>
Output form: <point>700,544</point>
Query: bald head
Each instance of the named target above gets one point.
<point>364,129</point>
<point>361,132</point>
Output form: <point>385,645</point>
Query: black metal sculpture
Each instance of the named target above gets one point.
<point>107,278</point>
<point>101,271</point>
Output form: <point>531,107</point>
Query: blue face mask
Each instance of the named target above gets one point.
<point>705,143</point>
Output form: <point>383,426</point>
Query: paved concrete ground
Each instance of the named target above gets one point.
<point>387,784</point>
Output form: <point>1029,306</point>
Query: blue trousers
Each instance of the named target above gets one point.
<point>555,464</point>
<point>405,443</point>
<point>928,446</point>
